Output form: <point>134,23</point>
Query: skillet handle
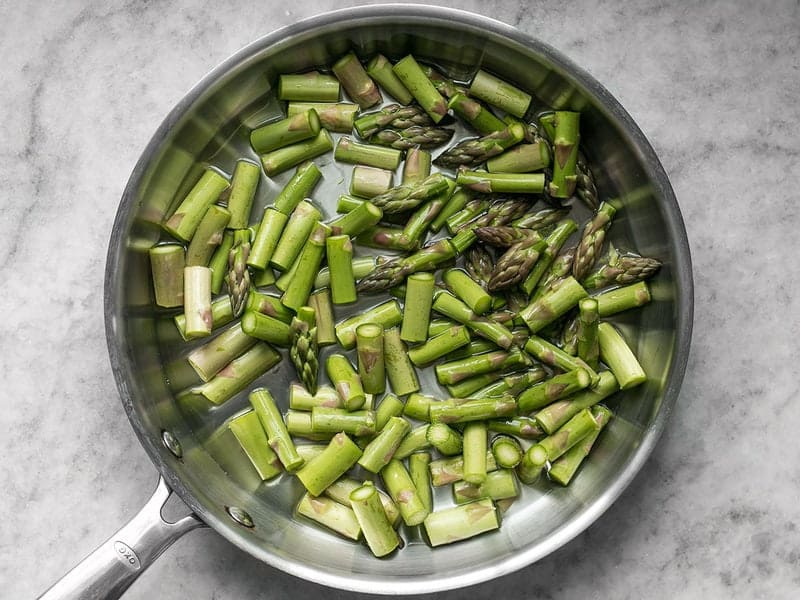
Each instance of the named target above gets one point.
<point>108,571</point>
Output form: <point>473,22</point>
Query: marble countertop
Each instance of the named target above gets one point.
<point>715,87</point>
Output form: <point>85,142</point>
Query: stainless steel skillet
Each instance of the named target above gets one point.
<point>185,442</point>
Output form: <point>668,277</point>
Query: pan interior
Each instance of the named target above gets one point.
<point>210,127</point>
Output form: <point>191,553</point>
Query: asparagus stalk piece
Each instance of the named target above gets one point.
<point>221,314</point>
<point>387,238</point>
<point>450,306</point>
<point>307,267</point>
<point>320,301</point>
<point>356,82</point>
<point>443,85</point>
<point>532,464</point>
<point>523,427</point>
<point>381,537</point>
<point>197,301</point>
<point>340,262</point>
<point>451,469</point>
<point>386,314</point>
<point>264,327</point>
<point>569,434</point>
<point>247,430</point>
<point>417,165</point>
<point>415,81</point>
<point>475,113</point>
<point>507,453</point>
<point>285,132</point>
<point>465,288</point>
<point>309,452</point>
<point>371,367</point>
<point>219,262</point>
<point>367,154</point>
<point>280,160</point>
<point>420,475</point>
<point>624,298</point>
<point>498,485</point>
<point>547,392</point>
<point>331,420</point>
<point>308,87</point>
<point>209,359</point>
<point>445,439</point>
<point>339,456</point>
<point>346,381</point>
<point>304,350</point>
<point>390,406</point>
<point>452,372</point>
<point>467,387</point>
<point>279,439</point>
<point>458,200</point>
<point>616,353</point>
<point>564,468</point>
<point>553,416</point>
<point>494,183</point>
<point>360,219</point>
<point>369,181</point>
<point>299,424</point>
<point>207,236</point>
<point>336,117</point>
<point>381,449</point>
<point>402,376</point>
<point>555,357</point>
<point>301,399</point>
<point>295,234</point>
<point>237,278</point>
<point>499,93</point>
<point>186,218</point>
<point>341,489</point>
<point>269,305</point>
<point>622,270</point>
<point>416,136</point>
<point>380,69</point>
<point>461,522</point>
<point>594,234</point>
<point>565,154</point>
<point>267,238</point>
<point>167,263</point>
<point>394,116</point>
<point>564,295</point>
<point>329,513</point>
<point>415,440</point>
<point>512,385</point>
<point>419,298</point>
<point>439,345</point>
<point>417,405</point>
<point>588,319</point>
<point>362,266</point>
<point>470,410</point>
<point>402,490</point>
<point>466,215</point>
<point>473,152</point>
<point>299,186</point>
<point>522,158</point>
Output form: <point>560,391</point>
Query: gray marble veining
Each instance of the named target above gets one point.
<point>713,85</point>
